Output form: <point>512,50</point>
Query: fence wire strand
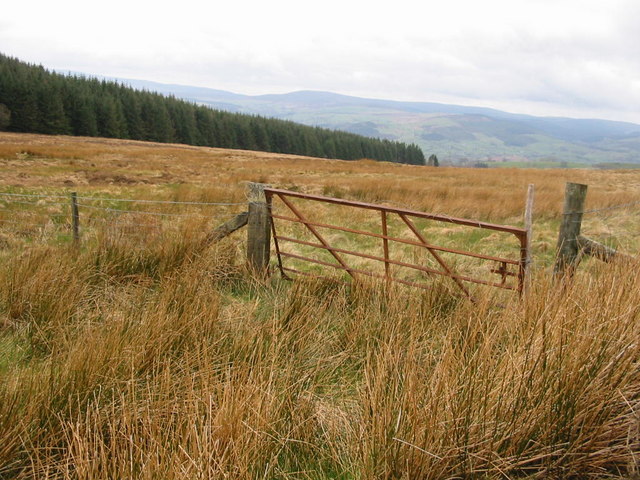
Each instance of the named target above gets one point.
<point>134,200</point>
<point>612,207</point>
<point>35,204</point>
<point>162,202</point>
<point>31,195</point>
<point>619,226</point>
<point>22,209</point>
<point>143,212</point>
<point>28,224</point>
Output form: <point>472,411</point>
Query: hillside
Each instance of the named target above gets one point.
<point>455,133</point>
<point>35,100</point>
<point>142,351</point>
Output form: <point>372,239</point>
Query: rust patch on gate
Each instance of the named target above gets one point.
<point>511,271</point>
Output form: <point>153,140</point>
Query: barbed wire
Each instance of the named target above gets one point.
<point>130,200</point>
<point>117,219</point>
<point>164,202</point>
<point>114,228</point>
<point>31,213</point>
<point>605,209</point>
<point>138,235</point>
<point>616,226</point>
<point>29,224</point>
<point>177,202</point>
<point>118,223</point>
<point>22,211</point>
<point>32,195</point>
<point>36,204</point>
<point>143,212</point>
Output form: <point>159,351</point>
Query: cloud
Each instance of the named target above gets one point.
<point>568,56</point>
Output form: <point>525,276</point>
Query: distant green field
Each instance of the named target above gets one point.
<point>458,134</point>
<point>539,164</point>
<point>455,138</point>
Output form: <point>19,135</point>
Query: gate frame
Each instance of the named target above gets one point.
<point>405,215</point>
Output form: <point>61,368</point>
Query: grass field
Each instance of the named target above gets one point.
<point>146,354</point>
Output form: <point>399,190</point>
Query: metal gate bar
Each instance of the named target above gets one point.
<point>509,261</point>
<point>435,254</point>
<point>406,216</point>
<point>391,262</point>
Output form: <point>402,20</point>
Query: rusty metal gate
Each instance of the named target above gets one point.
<point>285,208</point>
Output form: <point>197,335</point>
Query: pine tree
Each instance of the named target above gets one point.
<point>5,116</point>
<point>36,100</point>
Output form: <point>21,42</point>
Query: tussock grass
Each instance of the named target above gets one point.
<point>147,354</point>
<point>196,372</point>
<point>141,169</point>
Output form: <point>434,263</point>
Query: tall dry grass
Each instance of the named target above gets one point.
<point>187,369</point>
<point>181,172</point>
<point>146,354</point>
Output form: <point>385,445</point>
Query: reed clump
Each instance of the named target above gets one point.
<point>181,172</point>
<point>146,353</point>
<point>194,371</point>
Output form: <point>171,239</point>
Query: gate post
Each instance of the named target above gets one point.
<point>258,229</point>
<point>75,219</point>
<point>567,249</point>
<point>528,226</point>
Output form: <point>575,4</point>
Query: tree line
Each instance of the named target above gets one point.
<point>35,100</point>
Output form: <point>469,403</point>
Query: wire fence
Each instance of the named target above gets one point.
<point>38,216</point>
<point>50,216</point>
<point>615,226</point>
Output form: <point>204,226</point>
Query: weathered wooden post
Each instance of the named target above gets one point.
<point>528,225</point>
<point>258,229</point>
<point>568,248</point>
<point>75,218</point>
<point>600,251</point>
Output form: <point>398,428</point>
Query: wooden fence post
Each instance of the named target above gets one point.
<point>600,251</point>
<point>258,229</point>
<point>528,225</point>
<point>568,249</point>
<point>75,218</point>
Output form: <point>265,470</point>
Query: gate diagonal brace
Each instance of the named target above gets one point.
<point>315,232</point>
<point>408,218</point>
<point>274,235</point>
<point>435,254</point>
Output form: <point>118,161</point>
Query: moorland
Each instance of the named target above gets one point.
<point>142,353</point>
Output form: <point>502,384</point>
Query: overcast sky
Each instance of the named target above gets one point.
<point>578,58</point>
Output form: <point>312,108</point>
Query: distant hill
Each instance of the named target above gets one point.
<point>36,100</point>
<point>453,132</point>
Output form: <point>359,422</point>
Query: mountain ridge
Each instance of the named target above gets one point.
<point>458,134</point>
<point>36,100</point>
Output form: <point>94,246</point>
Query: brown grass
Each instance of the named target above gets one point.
<point>38,161</point>
<point>198,375</point>
<point>148,357</point>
